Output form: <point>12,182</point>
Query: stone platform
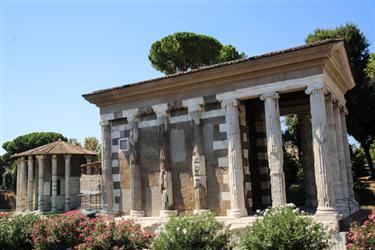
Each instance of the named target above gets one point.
<point>235,224</point>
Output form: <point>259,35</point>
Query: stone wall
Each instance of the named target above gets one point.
<point>181,147</point>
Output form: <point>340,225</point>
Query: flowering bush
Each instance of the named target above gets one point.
<point>125,235</point>
<point>284,228</point>
<point>362,237</point>
<point>59,231</point>
<point>75,230</point>
<point>193,232</point>
<point>15,230</point>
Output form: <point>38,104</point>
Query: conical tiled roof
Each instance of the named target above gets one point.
<point>56,148</point>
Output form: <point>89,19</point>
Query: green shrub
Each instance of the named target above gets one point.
<point>59,231</point>
<point>15,231</point>
<point>283,229</point>
<point>125,235</point>
<point>362,237</point>
<point>193,232</point>
<point>77,231</point>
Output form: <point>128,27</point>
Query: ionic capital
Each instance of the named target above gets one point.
<point>41,157</point>
<point>273,95</point>
<point>229,102</point>
<point>194,107</point>
<point>31,158</point>
<point>131,114</point>
<point>194,104</point>
<point>161,110</point>
<point>318,86</point>
<point>54,157</point>
<point>67,157</point>
<point>104,123</point>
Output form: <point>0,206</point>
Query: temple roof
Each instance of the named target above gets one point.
<point>329,56</point>
<point>237,61</point>
<point>56,148</point>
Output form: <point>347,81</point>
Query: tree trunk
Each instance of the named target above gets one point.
<point>366,148</point>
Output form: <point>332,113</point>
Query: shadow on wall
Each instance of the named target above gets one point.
<point>7,200</point>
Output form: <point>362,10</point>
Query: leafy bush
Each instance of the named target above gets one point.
<point>15,230</point>
<point>125,235</point>
<point>284,228</point>
<point>59,231</point>
<point>193,232</point>
<point>362,237</point>
<point>75,230</point>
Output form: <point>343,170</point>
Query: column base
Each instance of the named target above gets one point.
<point>134,213</point>
<point>354,206</point>
<point>200,211</point>
<point>236,213</point>
<point>329,218</point>
<point>342,207</point>
<point>167,213</point>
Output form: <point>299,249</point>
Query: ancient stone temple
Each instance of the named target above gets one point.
<point>48,177</point>
<point>210,139</point>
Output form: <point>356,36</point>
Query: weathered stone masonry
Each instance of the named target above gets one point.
<point>210,139</point>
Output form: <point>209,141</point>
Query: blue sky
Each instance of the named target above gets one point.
<point>54,51</point>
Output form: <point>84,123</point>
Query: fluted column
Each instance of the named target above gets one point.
<point>198,158</point>
<point>166,188</point>
<point>322,164</point>
<point>107,167</point>
<point>18,196</point>
<point>41,159</point>
<point>30,182</point>
<point>235,164</point>
<point>67,182</point>
<point>274,148</point>
<point>54,184</point>
<point>135,171</point>
<point>307,160</point>
<point>334,146</point>
<point>23,184</point>
<point>344,209</point>
<point>354,206</point>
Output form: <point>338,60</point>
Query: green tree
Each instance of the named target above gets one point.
<point>184,51</point>
<point>74,141</point>
<point>370,68</point>
<point>18,145</point>
<point>29,141</point>
<point>360,99</point>
<point>91,143</point>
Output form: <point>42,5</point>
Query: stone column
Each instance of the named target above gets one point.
<point>198,158</point>
<point>18,196</point>
<point>107,167</point>
<point>166,188</point>
<point>30,182</point>
<point>135,171</point>
<point>235,164</point>
<point>23,184</point>
<point>334,142</point>
<point>322,164</point>
<point>41,159</point>
<point>35,188</point>
<point>344,209</point>
<point>88,161</point>
<point>67,182</point>
<point>274,148</point>
<point>307,160</point>
<point>54,184</point>
<point>354,206</point>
